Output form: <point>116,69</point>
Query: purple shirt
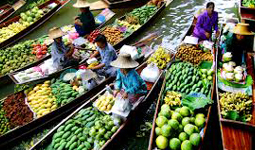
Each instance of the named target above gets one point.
<point>205,24</point>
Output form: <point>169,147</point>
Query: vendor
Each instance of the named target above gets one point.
<point>128,81</point>
<point>84,23</point>
<point>61,54</point>
<point>107,54</point>
<point>206,22</point>
<point>238,42</point>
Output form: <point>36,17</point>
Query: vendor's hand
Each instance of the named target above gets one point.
<point>115,93</point>
<point>208,35</point>
<point>217,34</point>
<point>125,95</point>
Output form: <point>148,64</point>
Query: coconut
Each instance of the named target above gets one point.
<point>227,57</point>
<point>238,70</point>
<point>230,76</point>
<point>238,77</point>
<point>228,68</point>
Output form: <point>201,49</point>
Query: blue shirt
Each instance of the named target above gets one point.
<point>58,52</point>
<point>132,83</point>
<point>108,54</point>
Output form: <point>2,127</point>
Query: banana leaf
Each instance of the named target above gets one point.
<point>196,101</point>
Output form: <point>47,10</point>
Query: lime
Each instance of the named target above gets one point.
<point>177,109</point>
<point>166,113</point>
<point>166,130</point>
<point>161,142</point>
<point>186,145</point>
<point>184,111</point>
<point>189,129</point>
<point>196,129</point>
<point>192,120</point>
<point>199,122</point>
<point>161,120</point>
<point>177,116</point>
<point>183,136</point>
<point>165,107</point>
<point>195,139</point>
<point>158,131</point>
<point>174,124</point>
<point>185,121</point>
<point>200,115</point>
<point>175,144</point>
<point>180,128</point>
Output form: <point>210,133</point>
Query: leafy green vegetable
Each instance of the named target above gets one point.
<point>196,102</point>
<point>232,115</point>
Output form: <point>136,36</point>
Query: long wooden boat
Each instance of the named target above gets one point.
<point>235,134</point>
<point>246,12</point>
<point>33,26</point>
<point>133,34</point>
<point>151,87</point>
<point>152,144</point>
<point>123,3</point>
<point>20,132</point>
<point>9,10</point>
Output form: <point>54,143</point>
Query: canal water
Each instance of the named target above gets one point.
<point>172,24</point>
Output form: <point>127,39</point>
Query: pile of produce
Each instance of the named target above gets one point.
<point>27,18</point>
<point>236,106</point>
<point>41,99</point>
<point>179,128</point>
<point>92,36</point>
<point>36,3</point>
<point>143,13</point>
<point>17,111</point>
<point>184,77</point>
<point>4,123</point>
<point>113,35</point>
<point>15,57</point>
<point>89,129</point>
<point>173,98</point>
<point>105,102</point>
<point>206,74</point>
<point>132,19</point>
<point>28,74</point>
<point>192,54</point>
<point>63,92</point>
<point>39,50</point>
<point>249,3</point>
<point>160,58</point>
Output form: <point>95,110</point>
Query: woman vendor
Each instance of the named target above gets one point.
<point>84,23</point>
<point>128,81</point>
<point>238,42</point>
<point>61,54</point>
<point>206,22</point>
<point>107,54</point>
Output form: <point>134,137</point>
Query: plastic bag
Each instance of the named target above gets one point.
<point>150,73</point>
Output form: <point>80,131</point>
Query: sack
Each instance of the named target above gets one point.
<point>121,105</point>
<point>150,73</point>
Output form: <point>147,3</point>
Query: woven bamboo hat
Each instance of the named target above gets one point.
<point>55,32</point>
<point>81,4</point>
<point>124,60</point>
<point>242,29</point>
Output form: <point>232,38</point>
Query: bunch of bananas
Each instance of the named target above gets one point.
<point>160,58</point>
<point>173,98</point>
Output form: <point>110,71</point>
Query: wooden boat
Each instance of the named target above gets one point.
<point>152,144</point>
<point>47,138</point>
<point>123,3</point>
<point>33,26</point>
<point>236,134</point>
<point>20,132</point>
<point>133,34</point>
<point>9,10</point>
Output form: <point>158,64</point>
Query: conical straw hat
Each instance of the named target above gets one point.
<point>55,32</point>
<point>81,4</point>
<point>124,61</point>
<point>242,29</point>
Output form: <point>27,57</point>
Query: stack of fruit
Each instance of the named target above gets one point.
<point>39,50</point>
<point>173,98</point>
<point>160,58</point>
<point>19,55</point>
<point>143,13</point>
<point>4,123</point>
<point>27,18</point>
<point>92,36</point>
<point>207,74</point>
<point>113,34</point>
<point>184,77</point>
<point>41,99</point>
<point>105,102</point>
<point>89,129</point>
<point>64,92</point>
<point>179,128</point>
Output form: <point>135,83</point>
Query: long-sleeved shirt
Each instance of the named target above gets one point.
<point>108,54</point>
<point>205,24</point>
<point>58,52</point>
<point>132,83</point>
<point>88,23</point>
